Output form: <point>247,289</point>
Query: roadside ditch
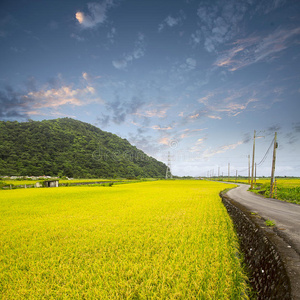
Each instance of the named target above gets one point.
<point>268,258</point>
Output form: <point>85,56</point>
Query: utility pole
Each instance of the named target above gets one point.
<point>248,168</point>
<point>228,171</point>
<point>235,175</point>
<point>253,155</point>
<point>218,173</point>
<point>273,165</point>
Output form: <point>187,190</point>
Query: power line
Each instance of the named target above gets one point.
<point>266,154</point>
<point>262,161</point>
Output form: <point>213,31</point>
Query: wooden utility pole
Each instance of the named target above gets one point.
<point>253,155</point>
<point>218,173</point>
<point>273,165</point>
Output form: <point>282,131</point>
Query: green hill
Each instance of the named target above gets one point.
<point>72,148</point>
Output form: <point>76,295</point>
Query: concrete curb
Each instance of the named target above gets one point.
<point>273,266</point>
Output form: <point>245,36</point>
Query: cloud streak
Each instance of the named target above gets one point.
<point>210,153</point>
<point>255,49</point>
<point>158,127</point>
<point>231,102</point>
<point>159,111</point>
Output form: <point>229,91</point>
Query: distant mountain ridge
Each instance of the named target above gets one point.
<point>67,147</point>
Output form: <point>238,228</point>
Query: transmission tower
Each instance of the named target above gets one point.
<point>168,171</point>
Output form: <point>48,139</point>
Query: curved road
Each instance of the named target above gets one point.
<point>287,219</point>
<point>285,215</point>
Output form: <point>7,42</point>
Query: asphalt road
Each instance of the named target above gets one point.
<point>285,215</point>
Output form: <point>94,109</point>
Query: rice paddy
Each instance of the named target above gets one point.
<point>148,240</point>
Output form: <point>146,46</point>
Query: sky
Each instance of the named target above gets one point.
<point>185,79</point>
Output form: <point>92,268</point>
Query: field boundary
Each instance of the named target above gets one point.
<point>266,255</point>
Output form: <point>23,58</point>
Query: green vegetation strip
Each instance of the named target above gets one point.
<point>152,240</point>
<point>287,189</point>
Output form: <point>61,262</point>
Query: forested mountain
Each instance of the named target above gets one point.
<point>72,148</point>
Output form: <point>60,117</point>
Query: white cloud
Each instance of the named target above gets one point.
<point>85,76</point>
<point>205,99</point>
<point>171,21</point>
<point>77,37</point>
<point>219,22</point>
<point>120,63</point>
<point>210,153</point>
<point>137,52</point>
<point>214,117</point>
<point>190,132</point>
<point>111,35</point>
<point>158,113</point>
<point>191,63</point>
<point>152,111</point>
<point>157,127</point>
<point>88,78</point>
<point>97,14</point>
<point>164,141</point>
<point>198,145</point>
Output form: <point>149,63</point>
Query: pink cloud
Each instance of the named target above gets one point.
<point>58,97</point>
<point>254,49</point>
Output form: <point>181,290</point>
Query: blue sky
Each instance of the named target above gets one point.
<point>193,78</point>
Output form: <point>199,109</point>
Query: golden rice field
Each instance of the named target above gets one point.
<point>149,240</point>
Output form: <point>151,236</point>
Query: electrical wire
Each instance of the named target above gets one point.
<point>241,171</point>
<point>263,159</point>
<point>266,154</point>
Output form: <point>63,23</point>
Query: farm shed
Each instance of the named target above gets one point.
<point>50,183</point>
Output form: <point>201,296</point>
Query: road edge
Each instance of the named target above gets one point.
<point>271,262</point>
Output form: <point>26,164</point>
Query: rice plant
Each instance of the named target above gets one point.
<point>149,240</point>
